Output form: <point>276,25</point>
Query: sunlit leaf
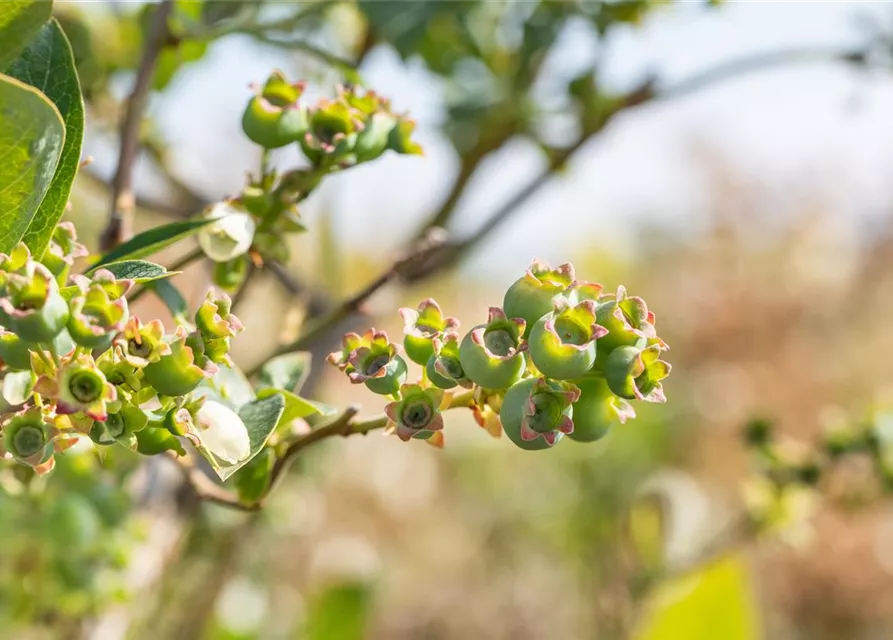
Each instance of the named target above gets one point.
<point>19,21</point>
<point>288,372</point>
<point>47,64</point>
<point>716,602</point>
<point>151,241</point>
<point>32,134</point>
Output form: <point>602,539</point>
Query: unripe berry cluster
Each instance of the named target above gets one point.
<point>332,134</point>
<point>851,463</point>
<point>559,357</point>
<point>74,361</point>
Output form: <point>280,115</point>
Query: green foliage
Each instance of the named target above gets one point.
<point>288,372</point>
<point>339,612</point>
<point>138,271</point>
<point>20,20</point>
<point>151,241</point>
<point>47,64</point>
<point>716,602</point>
<point>32,135</point>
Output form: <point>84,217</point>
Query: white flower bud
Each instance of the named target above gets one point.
<point>228,237</point>
<point>222,432</point>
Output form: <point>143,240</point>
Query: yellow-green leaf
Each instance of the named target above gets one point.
<point>32,134</point>
<point>716,602</point>
<point>19,21</point>
<point>47,64</point>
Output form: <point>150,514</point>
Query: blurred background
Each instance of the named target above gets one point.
<point>742,187</point>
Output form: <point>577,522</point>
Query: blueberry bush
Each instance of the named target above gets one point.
<point>94,393</point>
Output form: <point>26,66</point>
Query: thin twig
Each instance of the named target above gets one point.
<point>349,306</point>
<point>452,252</point>
<point>123,203</point>
<point>206,489</point>
<point>343,425</point>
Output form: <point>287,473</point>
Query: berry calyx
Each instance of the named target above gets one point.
<point>491,354</point>
<point>562,344</point>
<point>537,413</point>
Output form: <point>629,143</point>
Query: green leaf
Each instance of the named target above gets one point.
<point>140,271</point>
<point>171,297</point>
<point>154,440</point>
<point>152,240</point>
<point>31,138</point>
<point>260,418</point>
<point>19,21</point>
<point>253,480</point>
<point>339,612</point>
<point>229,386</point>
<point>295,406</point>
<point>716,602</point>
<point>288,372</point>
<point>47,64</point>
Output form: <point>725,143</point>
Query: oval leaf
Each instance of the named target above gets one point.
<point>260,418</point>
<point>31,137</point>
<point>47,64</point>
<point>140,271</point>
<point>152,240</point>
<point>295,406</point>
<point>288,372</point>
<point>171,297</point>
<point>19,21</point>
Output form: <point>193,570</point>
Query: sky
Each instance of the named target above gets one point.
<point>810,130</point>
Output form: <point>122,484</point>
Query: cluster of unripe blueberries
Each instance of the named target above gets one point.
<point>560,357</point>
<point>75,363</point>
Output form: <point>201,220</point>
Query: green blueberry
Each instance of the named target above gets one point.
<point>597,411</point>
<point>562,343</point>
<point>374,361</point>
<point>273,118</point>
<point>537,413</point>
<point>176,373</point>
<point>530,297</point>
<point>444,367</point>
<point>490,354</point>
<point>421,327</point>
<point>634,373</point>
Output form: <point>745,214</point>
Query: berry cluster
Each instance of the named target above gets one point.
<point>355,127</point>
<point>74,361</point>
<point>560,357</point>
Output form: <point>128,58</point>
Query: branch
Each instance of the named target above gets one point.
<point>122,205</point>
<point>452,252</point>
<point>205,488</point>
<point>343,425</point>
<point>434,239</point>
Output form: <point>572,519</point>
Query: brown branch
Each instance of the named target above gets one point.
<point>343,425</point>
<point>120,221</point>
<point>206,489</point>
<point>346,308</point>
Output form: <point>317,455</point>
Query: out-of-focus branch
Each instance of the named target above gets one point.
<point>453,251</point>
<point>349,306</point>
<point>206,489</point>
<point>760,62</point>
<point>122,200</point>
<point>191,202</point>
<point>344,424</point>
